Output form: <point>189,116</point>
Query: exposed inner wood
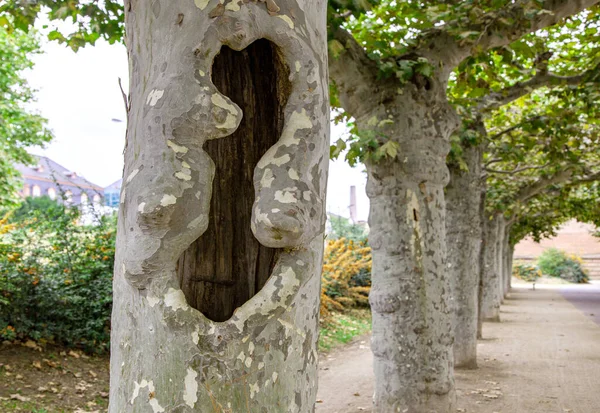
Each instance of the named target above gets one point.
<point>227,266</point>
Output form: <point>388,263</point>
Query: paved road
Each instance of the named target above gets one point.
<point>544,357</point>
<point>585,297</point>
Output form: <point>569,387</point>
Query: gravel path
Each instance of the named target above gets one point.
<point>544,357</point>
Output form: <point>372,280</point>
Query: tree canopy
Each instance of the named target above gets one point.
<point>20,128</point>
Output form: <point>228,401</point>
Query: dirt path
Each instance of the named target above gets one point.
<point>544,357</point>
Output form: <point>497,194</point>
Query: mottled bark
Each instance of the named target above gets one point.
<point>490,300</point>
<point>508,254</point>
<point>511,253</point>
<point>222,207</point>
<point>412,318</point>
<point>500,254</point>
<point>463,235</point>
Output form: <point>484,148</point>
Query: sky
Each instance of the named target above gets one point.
<point>79,94</point>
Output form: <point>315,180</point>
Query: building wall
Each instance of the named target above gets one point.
<point>573,237</point>
<point>28,190</point>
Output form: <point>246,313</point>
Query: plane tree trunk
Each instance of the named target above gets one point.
<point>410,295</point>
<point>463,240</point>
<point>219,246</point>
<point>490,305</point>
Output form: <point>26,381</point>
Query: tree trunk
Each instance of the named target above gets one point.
<point>463,235</point>
<point>500,254</point>
<point>482,255</point>
<point>412,318</point>
<point>509,249</point>
<point>490,305</point>
<point>219,245</point>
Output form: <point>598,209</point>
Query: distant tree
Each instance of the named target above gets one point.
<point>342,227</point>
<point>31,205</point>
<point>19,127</point>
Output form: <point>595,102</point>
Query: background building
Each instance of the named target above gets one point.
<point>573,237</point>
<point>112,194</point>
<point>57,182</point>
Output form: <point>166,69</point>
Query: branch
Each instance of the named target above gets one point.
<point>495,32</point>
<point>354,74</point>
<point>495,100</point>
<point>527,192</point>
<point>586,179</point>
<point>516,170</point>
<point>514,127</point>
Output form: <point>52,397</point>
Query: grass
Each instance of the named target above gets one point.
<point>342,328</point>
<point>17,406</point>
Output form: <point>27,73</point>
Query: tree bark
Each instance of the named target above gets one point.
<point>490,304</point>
<point>463,235</point>
<point>511,253</point>
<point>500,254</point>
<point>219,245</point>
<point>412,318</point>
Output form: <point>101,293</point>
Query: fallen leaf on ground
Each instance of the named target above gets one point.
<point>37,365</point>
<point>357,394</point>
<point>20,398</point>
<point>50,363</point>
<point>32,345</point>
<point>74,354</point>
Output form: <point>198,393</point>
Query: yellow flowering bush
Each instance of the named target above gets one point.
<point>346,279</point>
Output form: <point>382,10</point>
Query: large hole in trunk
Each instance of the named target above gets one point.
<point>227,266</point>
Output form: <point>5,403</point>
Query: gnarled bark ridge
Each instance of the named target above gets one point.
<point>222,200</point>
<point>463,239</point>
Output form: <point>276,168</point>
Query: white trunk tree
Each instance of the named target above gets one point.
<point>219,246</point>
<point>413,336</point>
<point>490,305</point>
<point>463,235</point>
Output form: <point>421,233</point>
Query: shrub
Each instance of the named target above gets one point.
<point>526,272</point>
<point>557,263</point>
<point>346,279</point>
<point>341,227</point>
<point>56,278</point>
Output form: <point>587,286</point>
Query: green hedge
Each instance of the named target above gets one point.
<point>56,277</point>
<point>557,263</point>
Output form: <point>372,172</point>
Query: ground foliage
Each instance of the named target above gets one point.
<point>525,271</point>
<point>20,128</point>
<point>346,277</point>
<point>56,277</point>
<point>557,263</point>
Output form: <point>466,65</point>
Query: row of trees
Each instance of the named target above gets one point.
<point>494,96</point>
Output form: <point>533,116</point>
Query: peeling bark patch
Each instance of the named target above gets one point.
<point>152,301</point>
<point>156,407</point>
<point>293,174</point>
<point>177,148</point>
<point>287,20</point>
<point>132,175</point>
<point>154,96</point>
<point>201,4</point>
<point>190,393</point>
<point>176,300</point>
<point>234,5</point>
<point>285,197</point>
<point>168,200</point>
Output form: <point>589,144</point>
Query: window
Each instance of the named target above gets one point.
<point>84,198</point>
<point>36,190</point>
<point>68,197</point>
<point>52,193</point>
<point>97,199</point>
